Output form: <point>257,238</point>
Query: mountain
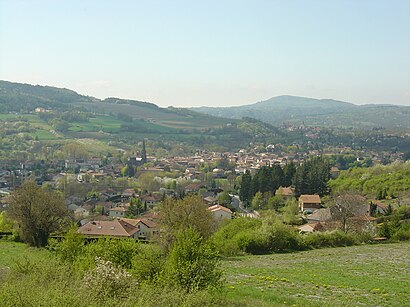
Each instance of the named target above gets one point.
<point>320,112</point>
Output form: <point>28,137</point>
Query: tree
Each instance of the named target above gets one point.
<point>288,173</point>
<point>312,176</point>
<point>189,212</point>
<point>257,201</point>
<point>128,171</point>
<point>38,211</point>
<point>224,198</point>
<point>245,192</point>
<point>346,207</point>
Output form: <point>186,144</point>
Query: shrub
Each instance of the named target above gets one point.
<point>234,236</point>
<point>119,251</point>
<point>70,247</point>
<point>192,263</point>
<point>329,239</point>
<point>106,280</point>
<point>148,263</point>
<point>280,237</point>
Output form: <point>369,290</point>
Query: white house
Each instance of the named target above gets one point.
<point>220,212</point>
<point>146,228</point>
<point>118,212</point>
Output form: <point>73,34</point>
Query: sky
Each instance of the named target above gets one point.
<point>213,53</point>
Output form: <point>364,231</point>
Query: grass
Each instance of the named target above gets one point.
<point>369,275</point>
<point>10,252</point>
<point>359,275</point>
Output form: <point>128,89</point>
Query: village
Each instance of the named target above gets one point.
<point>116,197</point>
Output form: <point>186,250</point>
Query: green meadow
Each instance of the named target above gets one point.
<point>367,275</point>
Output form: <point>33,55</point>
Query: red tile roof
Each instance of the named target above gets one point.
<point>115,228</point>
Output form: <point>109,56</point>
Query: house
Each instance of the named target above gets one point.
<point>149,200</point>
<point>210,200</point>
<point>152,216</point>
<point>286,192</point>
<point>128,193</point>
<point>319,215</point>
<point>146,229</point>
<point>118,211</point>
<point>312,227</point>
<point>309,202</point>
<point>115,228</point>
<point>334,172</point>
<point>81,213</point>
<point>220,212</point>
<point>193,187</point>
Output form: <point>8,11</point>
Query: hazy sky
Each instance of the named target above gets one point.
<point>216,53</point>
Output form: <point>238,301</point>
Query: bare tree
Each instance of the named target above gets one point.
<point>347,209</point>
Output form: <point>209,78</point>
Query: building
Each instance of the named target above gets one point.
<point>146,229</point>
<point>220,212</point>
<point>309,202</point>
<point>115,228</point>
<point>286,192</point>
<point>118,211</point>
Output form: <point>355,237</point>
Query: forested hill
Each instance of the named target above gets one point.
<point>25,98</point>
<point>320,112</point>
<point>20,97</point>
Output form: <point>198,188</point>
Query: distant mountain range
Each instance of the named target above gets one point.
<point>321,112</point>
<point>19,97</point>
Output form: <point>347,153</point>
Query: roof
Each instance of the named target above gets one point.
<point>218,208</point>
<point>286,191</point>
<point>116,228</point>
<point>313,226</point>
<point>321,215</point>
<point>151,216</point>
<point>149,198</point>
<point>210,199</point>
<point>135,222</point>
<point>119,209</point>
<point>310,199</point>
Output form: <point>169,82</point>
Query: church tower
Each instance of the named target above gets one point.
<point>143,152</point>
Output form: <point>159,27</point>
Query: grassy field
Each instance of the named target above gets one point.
<point>369,275</point>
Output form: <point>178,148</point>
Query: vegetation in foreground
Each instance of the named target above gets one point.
<point>367,274</point>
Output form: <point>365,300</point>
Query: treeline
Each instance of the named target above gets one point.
<point>380,181</point>
<point>271,235</point>
<point>17,97</point>
<point>310,177</point>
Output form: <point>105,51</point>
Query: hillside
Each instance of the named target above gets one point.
<point>113,121</point>
<point>24,98</point>
<point>320,112</point>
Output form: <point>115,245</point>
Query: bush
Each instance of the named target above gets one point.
<point>235,236</point>
<point>106,280</point>
<point>329,239</point>
<point>192,263</point>
<point>70,248</point>
<point>148,263</point>
<point>120,252</point>
<point>280,238</point>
